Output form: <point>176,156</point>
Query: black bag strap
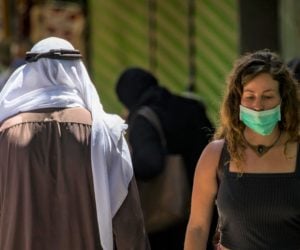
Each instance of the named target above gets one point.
<point>152,117</point>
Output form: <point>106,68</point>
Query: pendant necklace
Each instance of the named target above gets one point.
<point>261,149</point>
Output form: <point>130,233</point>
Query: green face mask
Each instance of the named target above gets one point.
<point>261,122</point>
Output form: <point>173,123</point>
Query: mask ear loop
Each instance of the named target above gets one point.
<point>61,54</point>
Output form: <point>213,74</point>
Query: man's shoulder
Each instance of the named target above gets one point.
<point>190,99</point>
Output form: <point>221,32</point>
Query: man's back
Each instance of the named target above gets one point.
<point>186,127</point>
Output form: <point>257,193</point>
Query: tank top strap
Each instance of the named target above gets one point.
<point>223,166</point>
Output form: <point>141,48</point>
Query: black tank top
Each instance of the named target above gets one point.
<point>259,211</point>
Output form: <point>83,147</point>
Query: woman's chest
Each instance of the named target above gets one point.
<point>278,160</point>
<point>257,197</point>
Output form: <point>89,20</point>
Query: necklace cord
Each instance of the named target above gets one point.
<point>261,149</point>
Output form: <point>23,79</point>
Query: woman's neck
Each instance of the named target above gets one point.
<point>257,139</point>
<point>262,144</point>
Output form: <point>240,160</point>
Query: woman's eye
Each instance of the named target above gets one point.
<point>267,97</point>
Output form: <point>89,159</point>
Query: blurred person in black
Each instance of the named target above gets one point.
<point>294,66</point>
<point>186,127</point>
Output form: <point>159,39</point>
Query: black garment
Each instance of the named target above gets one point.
<point>187,130</point>
<point>259,211</point>
<point>186,126</point>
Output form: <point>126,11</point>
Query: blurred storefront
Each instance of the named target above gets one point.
<point>190,45</point>
<point>33,20</point>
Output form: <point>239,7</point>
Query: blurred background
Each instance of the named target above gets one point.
<point>189,45</point>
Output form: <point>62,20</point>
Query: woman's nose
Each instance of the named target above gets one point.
<point>258,104</point>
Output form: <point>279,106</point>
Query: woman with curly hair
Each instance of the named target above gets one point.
<point>252,167</point>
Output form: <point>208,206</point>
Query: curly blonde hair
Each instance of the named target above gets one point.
<point>245,69</point>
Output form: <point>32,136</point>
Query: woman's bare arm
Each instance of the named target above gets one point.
<point>203,197</point>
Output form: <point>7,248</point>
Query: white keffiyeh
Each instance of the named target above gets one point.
<point>50,83</point>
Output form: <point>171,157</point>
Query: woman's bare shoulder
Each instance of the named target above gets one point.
<point>210,156</point>
<point>205,180</point>
<point>214,147</point>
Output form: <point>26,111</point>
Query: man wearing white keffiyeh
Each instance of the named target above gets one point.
<point>53,86</point>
